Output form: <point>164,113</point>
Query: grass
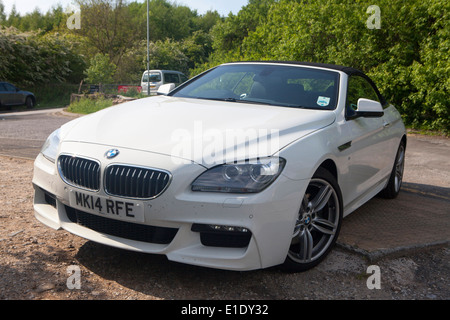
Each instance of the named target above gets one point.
<point>427,132</point>
<point>54,95</point>
<point>86,105</point>
<point>57,95</point>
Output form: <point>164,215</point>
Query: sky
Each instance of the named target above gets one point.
<point>223,7</point>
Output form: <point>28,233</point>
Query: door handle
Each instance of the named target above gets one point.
<point>386,124</point>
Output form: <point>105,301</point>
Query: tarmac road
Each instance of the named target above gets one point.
<point>22,134</point>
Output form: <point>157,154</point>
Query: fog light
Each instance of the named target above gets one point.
<point>228,228</point>
<point>219,228</point>
<point>213,235</point>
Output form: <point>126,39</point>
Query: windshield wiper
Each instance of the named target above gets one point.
<point>217,99</point>
<point>252,102</point>
<point>258,102</point>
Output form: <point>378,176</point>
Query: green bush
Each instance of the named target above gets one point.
<point>101,70</point>
<point>30,59</point>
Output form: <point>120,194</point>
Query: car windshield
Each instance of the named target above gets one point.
<point>278,85</point>
<point>154,77</point>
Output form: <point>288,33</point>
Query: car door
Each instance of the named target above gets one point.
<point>3,95</point>
<point>13,96</point>
<point>366,146</point>
<point>171,78</point>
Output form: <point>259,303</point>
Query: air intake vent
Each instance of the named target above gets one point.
<point>122,229</point>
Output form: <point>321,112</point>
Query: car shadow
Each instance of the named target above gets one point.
<point>154,275</point>
<point>417,218</point>
<point>430,191</point>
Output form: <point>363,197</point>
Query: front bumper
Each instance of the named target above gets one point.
<point>265,220</point>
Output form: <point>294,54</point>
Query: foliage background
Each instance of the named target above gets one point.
<point>408,57</point>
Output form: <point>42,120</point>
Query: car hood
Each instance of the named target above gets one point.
<point>204,131</point>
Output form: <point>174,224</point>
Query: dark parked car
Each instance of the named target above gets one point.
<point>13,96</point>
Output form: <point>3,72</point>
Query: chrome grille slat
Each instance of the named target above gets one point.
<point>80,172</point>
<point>119,180</point>
<point>135,182</point>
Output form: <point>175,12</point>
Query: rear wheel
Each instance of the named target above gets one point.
<point>318,223</point>
<point>29,103</point>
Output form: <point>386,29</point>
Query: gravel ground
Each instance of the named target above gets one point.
<point>35,260</point>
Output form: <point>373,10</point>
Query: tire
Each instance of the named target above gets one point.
<point>29,102</point>
<point>394,185</point>
<point>318,223</point>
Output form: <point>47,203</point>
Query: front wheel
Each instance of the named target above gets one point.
<point>392,189</point>
<point>29,103</point>
<point>318,223</point>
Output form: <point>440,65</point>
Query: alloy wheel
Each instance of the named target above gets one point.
<point>317,224</point>
<point>399,167</point>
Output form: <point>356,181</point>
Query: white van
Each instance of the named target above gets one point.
<point>160,77</point>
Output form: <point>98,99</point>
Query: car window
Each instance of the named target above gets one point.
<point>2,87</point>
<point>171,78</point>
<point>154,77</point>
<point>358,87</point>
<point>183,78</point>
<point>278,85</point>
<point>9,87</point>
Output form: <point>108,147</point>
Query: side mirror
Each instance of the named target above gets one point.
<point>165,89</point>
<point>366,108</point>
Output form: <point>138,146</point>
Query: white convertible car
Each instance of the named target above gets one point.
<point>246,166</point>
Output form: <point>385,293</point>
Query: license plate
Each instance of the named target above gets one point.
<point>108,207</point>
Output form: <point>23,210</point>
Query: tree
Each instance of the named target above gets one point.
<point>207,21</point>
<point>2,13</point>
<point>14,18</point>
<point>108,27</point>
<point>197,48</point>
<point>230,33</point>
<point>168,54</point>
<point>101,70</point>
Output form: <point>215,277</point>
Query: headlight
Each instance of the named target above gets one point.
<point>50,147</point>
<point>242,177</point>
